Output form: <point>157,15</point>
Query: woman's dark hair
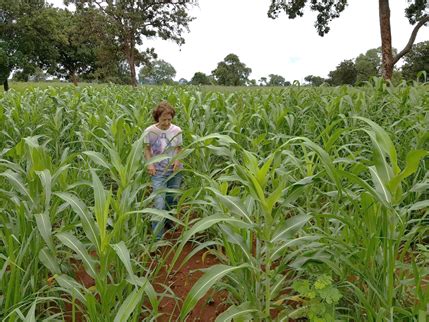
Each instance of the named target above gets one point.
<point>163,107</point>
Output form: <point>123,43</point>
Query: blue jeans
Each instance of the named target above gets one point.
<point>164,201</point>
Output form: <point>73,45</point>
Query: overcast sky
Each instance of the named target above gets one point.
<point>290,48</point>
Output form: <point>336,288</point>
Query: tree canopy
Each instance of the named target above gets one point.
<point>416,60</point>
<point>276,80</point>
<point>26,31</point>
<point>345,73</point>
<point>231,72</point>
<point>314,80</point>
<point>200,78</point>
<point>76,46</point>
<point>159,72</point>
<point>368,65</point>
<point>130,21</point>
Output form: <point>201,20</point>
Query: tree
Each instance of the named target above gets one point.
<point>231,72</point>
<point>314,80</point>
<point>263,81</point>
<point>200,78</point>
<point>4,67</point>
<point>416,60</point>
<point>159,72</point>
<point>345,73</point>
<point>38,75</point>
<point>276,80</point>
<point>183,81</point>
<point>130,20</point>
<point>368,65</point>
<point>75,46</point>
<point>26,37</point>
<point>329,10</point>
<point>68,50</point>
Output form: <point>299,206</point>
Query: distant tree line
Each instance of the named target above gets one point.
<point>98,42</point>
<point>368,65</point>
<point>232,72</point>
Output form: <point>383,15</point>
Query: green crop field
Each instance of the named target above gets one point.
<point>315,202</point>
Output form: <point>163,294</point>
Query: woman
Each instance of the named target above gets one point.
<point>163,137</point>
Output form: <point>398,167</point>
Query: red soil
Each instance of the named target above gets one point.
<point>180,281</point>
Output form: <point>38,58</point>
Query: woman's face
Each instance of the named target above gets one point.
<point>164,121</point>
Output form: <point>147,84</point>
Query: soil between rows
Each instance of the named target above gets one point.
<point>181,280</point>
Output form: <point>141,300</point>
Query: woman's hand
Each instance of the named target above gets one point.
<point>151,169</point>
<point>176,165</point>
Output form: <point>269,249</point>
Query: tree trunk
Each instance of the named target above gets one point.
<point>131,60</point>
<point>132,70</point>
<point>6,85</point>
<point>386,39</point>
<point>74,78</point>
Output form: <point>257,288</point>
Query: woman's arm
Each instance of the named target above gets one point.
<point>148,155</point>
<point>177,164</point>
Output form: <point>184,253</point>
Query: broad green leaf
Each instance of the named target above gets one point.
<point>305,181</point>
<point>233,204</point>
<point>5,266</point>
<point>129,305</point>
<point>124,255</point>
<point>236,239</point>
<point>262,173</point>
<point>91,230</point>
<point>72,287</point>
<point>59,171</point>
<point>275,196</point>
<point>117,163</point>
<point>47,259</point>
<point>290,227</point>
<point>200,288</point>
<point>424,204</point>
<point>74,244</point>
<point>16,181</point>
<point>384,141</point>
<point>423,316</point>
<point>157,213</point>
<point>45,228</point>
<point>363,184</point>
<point>384,170</point>
<point>31,314</point>
<point>98,158</point>
<point>202,225</point>
<point>379,185</point>
<point>327,163</point>
<point>223,139</point>
<point>144,283</point>
<point>134,157</point>
<point>46,180</point>
<point>293,195</point>
<point>292,243</point>
<point>158,158</point>
<point>101,207</point>
<point>242,312</point>
<point>413,161</point>
<point>207,222</point>
<point>324,157</point>
<point>250,161</point>
<point>33,141</point>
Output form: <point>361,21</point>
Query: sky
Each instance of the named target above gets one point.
<point>287,47</point>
